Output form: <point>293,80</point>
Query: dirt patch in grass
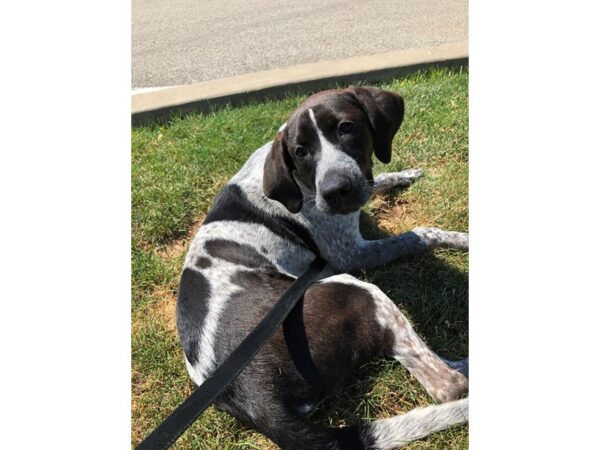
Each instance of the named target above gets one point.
<point>397,218</point>
<point>161,310</point>
<point>164,308</point>
<point>176,248</point>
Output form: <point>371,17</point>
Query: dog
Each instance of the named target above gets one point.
<point>298,196</point>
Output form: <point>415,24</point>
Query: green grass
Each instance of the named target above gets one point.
<point>178,168</point>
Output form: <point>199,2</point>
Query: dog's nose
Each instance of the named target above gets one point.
<point>335,188</point>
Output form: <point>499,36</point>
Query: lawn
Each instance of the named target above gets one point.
<point>177,169</point>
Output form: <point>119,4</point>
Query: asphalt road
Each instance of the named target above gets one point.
<point>187,41</point>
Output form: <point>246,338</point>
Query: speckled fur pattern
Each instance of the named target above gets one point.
<point>251,247</point>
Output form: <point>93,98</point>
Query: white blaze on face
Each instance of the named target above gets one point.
<point>331,158</point>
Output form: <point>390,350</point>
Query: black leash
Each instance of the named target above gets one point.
<point>179,420</point>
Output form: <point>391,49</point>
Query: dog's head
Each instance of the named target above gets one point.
<point>326,149</point>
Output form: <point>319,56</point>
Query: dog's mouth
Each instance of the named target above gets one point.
<point>350,205</point>
<point>343,210</point>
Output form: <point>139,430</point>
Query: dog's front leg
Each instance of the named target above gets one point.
<point>390,180</point>
<point>371,254</point>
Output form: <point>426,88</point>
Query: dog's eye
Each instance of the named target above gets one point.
<point>300,151</point>
<point>346,127</point>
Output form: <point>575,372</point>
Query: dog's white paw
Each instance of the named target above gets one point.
<point>411,174</point>
<point>436,238</point>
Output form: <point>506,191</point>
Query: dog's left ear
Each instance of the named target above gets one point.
<point>385,111</point>
<point>278,181</point>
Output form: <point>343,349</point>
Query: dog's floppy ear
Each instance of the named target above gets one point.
<point>278,182</point>
<point>385,111</point>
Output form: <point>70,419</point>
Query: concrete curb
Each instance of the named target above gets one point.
<point>159,104</point>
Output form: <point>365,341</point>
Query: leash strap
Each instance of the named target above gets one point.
<point>187,412</point>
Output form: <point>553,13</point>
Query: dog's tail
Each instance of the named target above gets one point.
<point>388,434</point>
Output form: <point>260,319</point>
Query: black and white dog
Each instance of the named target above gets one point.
<point>300,193</point>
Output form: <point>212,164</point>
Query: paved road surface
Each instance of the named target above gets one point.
<point>186,41</point>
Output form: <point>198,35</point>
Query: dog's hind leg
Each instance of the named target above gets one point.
<point>396,432</point>
<point>443,380</point>
<point>390,180</point>
<point>385,434</point>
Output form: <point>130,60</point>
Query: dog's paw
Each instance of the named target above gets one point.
<point>436,238</point>
<point>411,175</point>
<point>454,386</point>
<point>458,241</point>
<point>394,180</point>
